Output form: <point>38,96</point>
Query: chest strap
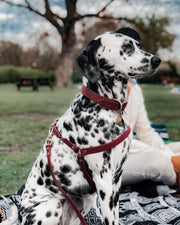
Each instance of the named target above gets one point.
<point>81,152</point>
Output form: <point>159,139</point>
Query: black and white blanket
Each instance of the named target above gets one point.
<point>134,208</point>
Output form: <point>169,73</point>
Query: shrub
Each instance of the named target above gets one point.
<point>76,77</point>
<point>12,74</point>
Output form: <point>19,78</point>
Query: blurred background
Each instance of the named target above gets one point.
<point>47,35</point>
<point>39,42</point>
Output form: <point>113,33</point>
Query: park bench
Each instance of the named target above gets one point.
<point>34,83</point>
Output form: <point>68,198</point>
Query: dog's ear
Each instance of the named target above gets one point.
<point>88,62</point>
<point>130,32</point>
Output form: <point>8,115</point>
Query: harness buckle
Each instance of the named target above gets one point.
<point>75,148</point>
<point>122,105</point>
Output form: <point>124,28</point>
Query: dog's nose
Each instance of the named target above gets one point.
<point>155,61</point>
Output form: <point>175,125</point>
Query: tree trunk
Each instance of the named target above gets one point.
<point>64,68</point>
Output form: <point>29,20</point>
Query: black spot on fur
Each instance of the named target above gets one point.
<point>93,135</point>
<point>111,202</point>
<point>82,141</point>
<point>144,60</point>
<point>72,140</point>
<point>79,190</point>
<point>96,130</point>
<point>106,221</point>
<point>48,214</point>
<point>41,163</point>
<point>64,179</point>
<point>47,171</point>
<point>101,142</point>
<point>30,219</point>
<point>116,199</point>
<point>105,66</point>
<point>65,168</point>
<point>117,175</point>
<point>48,182</point>
<point>143,68</point>
<point>40,181</point>
<point>39,222</point>
<point>102,194</point>
<point>53,189</point>
<point>68,126</point>
<point>106,155</point>
<point>107,135</point>
<point>42,174</point>
<point>147,54</point>
<point>121,53</point>
<point>100,123</point>
<point>83,123</point>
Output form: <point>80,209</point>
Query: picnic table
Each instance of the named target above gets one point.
<point>34,83</point>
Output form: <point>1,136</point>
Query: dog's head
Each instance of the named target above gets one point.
<point>116,53</point>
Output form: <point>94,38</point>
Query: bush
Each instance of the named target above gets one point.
<point>76,77</point>
<point>12,74</point>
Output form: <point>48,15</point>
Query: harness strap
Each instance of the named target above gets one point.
<point>85,172</point>
<point>90,150</point>
<point>48,149</point>
<point>81,153</point>
<point>105,147</point>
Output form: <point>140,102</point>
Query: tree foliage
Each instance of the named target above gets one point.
<point>10,53</point>
<point>153,32</point>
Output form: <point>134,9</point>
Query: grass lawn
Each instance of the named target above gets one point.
<point>26,116</point>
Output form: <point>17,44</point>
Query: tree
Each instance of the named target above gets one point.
<point>66,29</point>
<point>41,55</point>
<point>10,53</point>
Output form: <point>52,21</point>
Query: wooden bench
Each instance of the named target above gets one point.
<point>34,83</point>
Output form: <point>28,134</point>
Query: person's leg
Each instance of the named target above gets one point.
<point>174,147</point>
<point>148,165</point>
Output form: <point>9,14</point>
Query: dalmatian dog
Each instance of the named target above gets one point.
<point>106,64</point>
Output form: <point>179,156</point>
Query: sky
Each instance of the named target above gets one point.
<point>21,26</point>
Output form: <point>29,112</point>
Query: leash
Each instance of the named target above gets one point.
<point>81,152</point>
<point>48,149</point>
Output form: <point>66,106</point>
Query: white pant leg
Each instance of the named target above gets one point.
<point>174,147</point>
<point>149,164</point>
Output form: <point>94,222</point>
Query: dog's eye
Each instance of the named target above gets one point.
<point>138,44</point>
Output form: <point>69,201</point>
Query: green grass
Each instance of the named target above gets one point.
<point>26,116</point>
<point>163,107</point>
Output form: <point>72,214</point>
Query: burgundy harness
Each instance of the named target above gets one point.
<point>81,152</point>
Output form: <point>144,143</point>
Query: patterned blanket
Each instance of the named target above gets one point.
<point>134,209</point>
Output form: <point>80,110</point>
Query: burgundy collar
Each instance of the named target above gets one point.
<point>104,102</point>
